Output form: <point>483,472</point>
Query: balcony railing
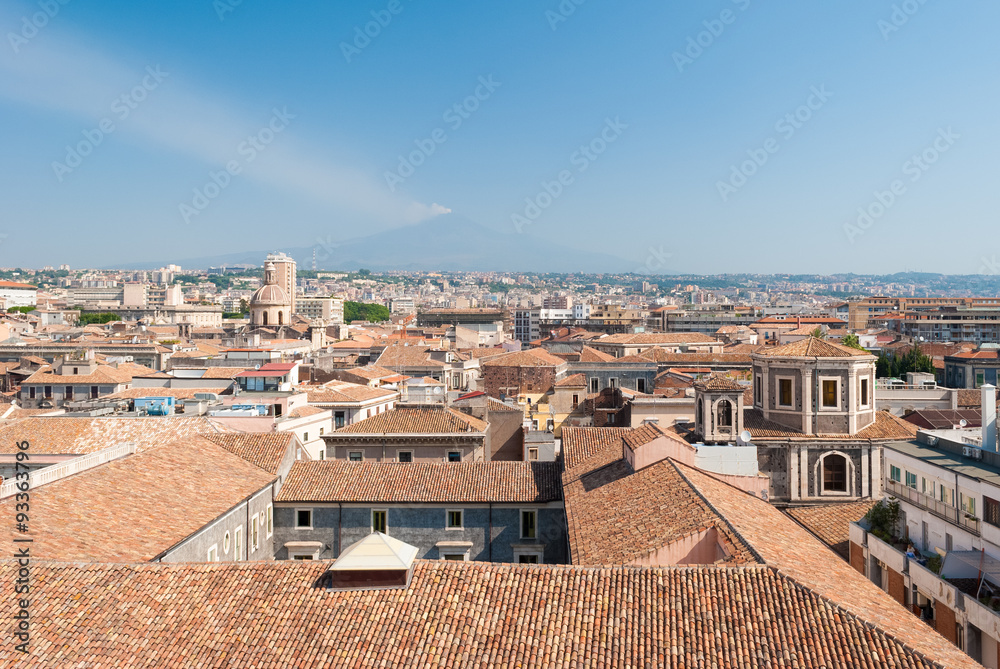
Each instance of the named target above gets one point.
<point>935,506</point>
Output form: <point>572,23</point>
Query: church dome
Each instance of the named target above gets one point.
<point>270,294</point>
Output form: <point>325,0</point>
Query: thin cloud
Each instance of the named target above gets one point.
<point>56,72</point>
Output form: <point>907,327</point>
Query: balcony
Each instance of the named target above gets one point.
<point>935,506</point>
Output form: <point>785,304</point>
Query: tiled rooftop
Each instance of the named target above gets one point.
<point>342,391</point>
<point>408,420</point>
<point>137,507</point>
<point>263,449</point>
<point>885,427</point>
<point>70,435</point>
<point>830,523</point>
<point>474,615</point>
<point>579,444</point>
<point>617,516</point>
<point>534,357</point>
<point>340,481</point>
<point>811,347</point>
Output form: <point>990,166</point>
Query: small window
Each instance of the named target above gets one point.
<point>454,557</point>
<point>895,474</point>
<point>830,394</point>
<point>991,511</point>
<point>321,431</point>
<point>305,436</point>
<point>379,519</point>
<point>454,456</point>
<point>303,519</point>
<point>576,401</point>
<point>213,554</point>
<point>454,520</point>
<point>529,520</point>
<point>69,392</point>
<point>785,392</point>
<point>595,385</point>
<point>31,392</point>
<point>355,456</point>
<point>532,454</point>
<point>338,419</point>
<point>835,473</point>
<point>302,557</point>
<point>254,534</point>
<point>404,456</point>
<point>94,391</point>
<point>527,559</point>
<point>238,543</point>
<point>226,543</point>
<point>864,392</point>
<point>270,521</point>
<point>48,392</point>
<point>911,480</point>
<point>758,390</point>
<point>611,419</point>
<point>640,385</point>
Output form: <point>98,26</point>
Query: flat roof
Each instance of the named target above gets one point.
<point>965,466</point>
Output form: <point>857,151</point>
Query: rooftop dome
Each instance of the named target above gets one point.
<point>270,293</point>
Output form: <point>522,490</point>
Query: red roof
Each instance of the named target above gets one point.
<point>14,284</point>
<point>270,369</point>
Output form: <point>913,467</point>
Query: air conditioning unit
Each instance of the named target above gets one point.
<point>972,452</point>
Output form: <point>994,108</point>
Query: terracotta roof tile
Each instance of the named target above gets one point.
<point>409,420</point>
<point>261,449</point>
<point>534,357</point>
<point>473,615</point>
<point>71,435</point>
<point>340,481</point>
<point>812,347</point>
<point>130,509</point>
<point>830,523</point>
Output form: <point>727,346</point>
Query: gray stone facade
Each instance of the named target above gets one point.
<point>489,532</point>
<point>254,511</point>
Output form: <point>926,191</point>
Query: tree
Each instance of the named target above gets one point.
<point>899,365</point>
<point>851,341</point>
<point>363,311</point>
<point>244,306</point>
<point>98,319</point>
<point>818,333</point>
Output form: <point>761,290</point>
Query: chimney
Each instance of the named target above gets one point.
<point>989,400</point>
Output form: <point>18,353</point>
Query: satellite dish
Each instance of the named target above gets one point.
<point>963,422</point>
<point>745,436</point>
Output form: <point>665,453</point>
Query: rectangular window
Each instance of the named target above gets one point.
<point>303,519</point>
<point>830,394</point>
<point>758,391</point>
<point>254,533</point>
<point>454,520</point>
<point>355,456</point>
<point>611,419</point>
<point>31,392</point>
<point>991,511</point>
<point>640,385</point>
<point>238,543</point>
<point>576,401</point>
<point>923,485</point>
<point>338,419</point>
<point>270,521</point>
<point>532,454</point>
<point>785,392</point>
<point>895,474</point>
<point>454,456</point>
<point>595,385</point>
<point>213,553</point>
<point>453,557</point>
<point>305,437</point>
<point>94,392</point>
<point>48,392</point>
<point>527,559</point>
<point>529,521</point>
<point>379,521</point>
<point>404,456</point>
<point>69,392</point>
<point>864,392</point>
<point>911,480</point>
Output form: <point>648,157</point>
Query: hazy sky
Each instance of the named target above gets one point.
<point>618,127</point>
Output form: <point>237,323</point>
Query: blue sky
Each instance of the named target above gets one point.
<point>670,123</point>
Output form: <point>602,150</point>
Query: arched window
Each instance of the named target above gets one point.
<point>264,318</point>
<point>281,317</point>
<point>725,414</point>
<point>835,473</point>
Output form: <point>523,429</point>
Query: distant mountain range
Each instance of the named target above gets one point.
<point>448,243</point>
